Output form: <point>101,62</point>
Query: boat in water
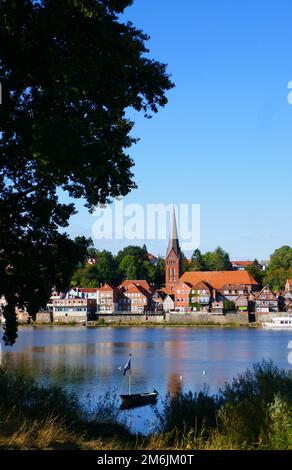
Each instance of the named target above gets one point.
<point>139,399</point>
<point>279,323</point>
<point>133,400</point>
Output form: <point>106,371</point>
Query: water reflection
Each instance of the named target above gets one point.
<point>89,361</point>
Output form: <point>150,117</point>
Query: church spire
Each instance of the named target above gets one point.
<point>173,257</point>
<point>173,237</point>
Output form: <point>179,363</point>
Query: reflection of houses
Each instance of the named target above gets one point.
<point>168,303</point>
<point>174,384</point>
<point>74,310</point>
<point>266,301</point>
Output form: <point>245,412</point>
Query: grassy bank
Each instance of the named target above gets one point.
<point>252,412</point>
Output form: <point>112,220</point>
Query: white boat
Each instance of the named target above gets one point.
<point>279,323</point>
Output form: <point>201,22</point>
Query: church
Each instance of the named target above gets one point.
<point>173,259</point>
<point>217,282</point>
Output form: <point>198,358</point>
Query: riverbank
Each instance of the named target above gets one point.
<point>252,412</point>
<point>100,324</point>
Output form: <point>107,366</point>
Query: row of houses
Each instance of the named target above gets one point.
<point>131,296</point>
<point>231,297</point>
<point>203,292</point>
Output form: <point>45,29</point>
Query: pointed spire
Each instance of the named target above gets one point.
<point>173,238</point>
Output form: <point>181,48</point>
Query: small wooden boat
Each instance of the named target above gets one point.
<point>132,400</point>
<point>139,399</point>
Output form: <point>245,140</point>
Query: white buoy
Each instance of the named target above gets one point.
<point>204,372</point>
<point>180,377</point>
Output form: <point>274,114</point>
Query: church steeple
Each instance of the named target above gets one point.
<point>173,243</point>
<point>173,257</point>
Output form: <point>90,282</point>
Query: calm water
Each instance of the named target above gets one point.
<point>88,361</point>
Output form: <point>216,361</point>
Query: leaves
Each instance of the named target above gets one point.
<point>69,71</point>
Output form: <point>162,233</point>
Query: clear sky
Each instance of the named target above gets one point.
<point>224,140</point>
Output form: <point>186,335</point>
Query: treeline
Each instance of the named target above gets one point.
<point>130,263</point>
<point>279,267</point>
<point>133,263</point>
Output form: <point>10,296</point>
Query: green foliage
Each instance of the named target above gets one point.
<point>93,275</point>
<point>197,261</point>
<point>279,424</point>
<point>279,268</point>
<point>247,398</point>
<point>252,412</point>
<point>217,260</point>
<point>35,401</point>
<point>69,70</point>
<point>130,263</point>
<point>188,411</point>
<point>256,272</point>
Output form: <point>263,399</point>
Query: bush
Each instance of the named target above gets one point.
<point>248,398</point>
<point>17,391</point>
<point>189,411</point>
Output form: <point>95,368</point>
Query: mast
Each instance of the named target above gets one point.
<point>130,378</point>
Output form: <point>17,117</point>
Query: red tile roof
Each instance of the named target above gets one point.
<point>138,282</point>
<point>217,279</point>
<point>242,263</point>
<point>135,289</point>
<point>201,285</point>
<point>105,287</point>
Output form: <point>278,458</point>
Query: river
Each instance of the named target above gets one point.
<point>90,361</point>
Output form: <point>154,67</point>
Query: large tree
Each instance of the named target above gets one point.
<point>104,270</point>
<point>217,260</point>
<point>197,261</point>
<point>69,71</point>
<point>279,268</point>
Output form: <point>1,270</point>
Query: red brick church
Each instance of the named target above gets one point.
<point>216,279</point>
<point>173,258</point>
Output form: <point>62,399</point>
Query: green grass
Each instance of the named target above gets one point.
<point>252,412</point>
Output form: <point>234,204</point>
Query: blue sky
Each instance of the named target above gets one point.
<point>224,140</point>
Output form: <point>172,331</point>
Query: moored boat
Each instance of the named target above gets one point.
<point>139,399</point>
<point>132,400</point>
<point>279,323</point>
